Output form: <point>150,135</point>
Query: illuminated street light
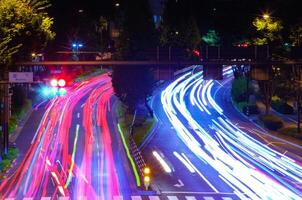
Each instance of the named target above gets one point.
<point>117,5</point>
<point>266,16</point>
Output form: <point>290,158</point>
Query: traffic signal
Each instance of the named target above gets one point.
<point>147,178</point>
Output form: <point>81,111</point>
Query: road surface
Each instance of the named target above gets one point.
<point>198,149</point>
<point>76,151</point>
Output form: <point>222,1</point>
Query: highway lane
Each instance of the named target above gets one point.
<point>279,142</point>
<point>200,138</point>
<point>74,152</point>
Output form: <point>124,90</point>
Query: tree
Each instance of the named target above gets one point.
<point>137,29</point>
<point>133,85</point>
<point>269,30</point>
<point>24,27</point>
<point>211,38</point>
<point>296,35</point>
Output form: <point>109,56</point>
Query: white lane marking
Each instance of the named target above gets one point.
<point>181,159</point>
<point>82,105</point>
<point>46,198</point>
<point>190,198</point>
<point>154,198</point>
<point>27,198</point>
<point>78,115</point>
<point>136,198</point>
<point>208,198</point>
<point>179,184</point>
<point>227,198</point>
<point>9,199</point>
<point>172,198</point>
<point>118,198</point>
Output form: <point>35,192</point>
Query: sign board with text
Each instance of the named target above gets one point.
<point>21,77</point>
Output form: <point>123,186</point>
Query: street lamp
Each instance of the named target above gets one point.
<point>117,5</point>
<point>266,16</point>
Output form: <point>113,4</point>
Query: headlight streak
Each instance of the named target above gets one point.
<point>51,142</point>
<point>162,162</point>
<point>252,169</point>
<point>186,164</point>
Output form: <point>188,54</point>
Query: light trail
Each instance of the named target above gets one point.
<point>248,166</point>
<point>56,142</point>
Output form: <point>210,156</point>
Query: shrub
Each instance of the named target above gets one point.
<point>291,131</point>
<point>239,89</point>
<point>282,107</point>
<point>251,108</point>
<point>4,164</point>
<point>271,122</point>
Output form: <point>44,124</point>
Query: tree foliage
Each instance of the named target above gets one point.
<point>133,85</point>
<point>211,38</point>
<point>137,28</point>
<point>269,30</point>
<point>24,27</point>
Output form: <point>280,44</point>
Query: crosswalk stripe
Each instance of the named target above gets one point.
<point>227,198</point>
<point>172,198</point>
<point>46,198</point>
<point>154,198</point>
<point>136,198</point>
<point>190,198</point>
<point>208,198</point>
<point>118,198</point>
<point>9,199</point>
<point>27,198</point>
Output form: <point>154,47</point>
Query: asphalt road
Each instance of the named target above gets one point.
<point>76,150</point>
<point>199,147</point>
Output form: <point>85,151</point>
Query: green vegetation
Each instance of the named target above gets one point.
<point>291,131</point>
<point>18,114</point>
<point>271,122</point>
<point>211,38</point>
<point>8,159</point>
<point>23,24</point>
<point>141,128</point>
<point>239,89</point>
<point>268,28</point>
<point>92,73</point>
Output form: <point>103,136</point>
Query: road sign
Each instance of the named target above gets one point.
<point>21,77</point>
